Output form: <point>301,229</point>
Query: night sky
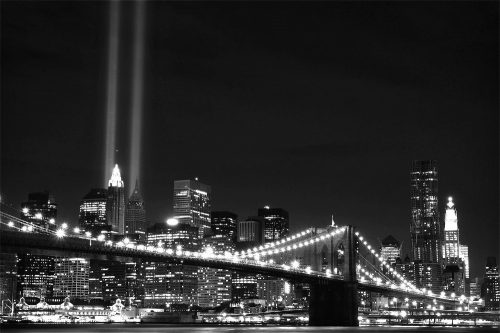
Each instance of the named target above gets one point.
<point>318,108</point>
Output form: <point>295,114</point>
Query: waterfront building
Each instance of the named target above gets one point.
<point>192,204</point>
<point>71,277</point>
<point>135,217</point>
<point>214,284</point>
<point>167,284</point>
<point>8,276</point>
<point>92,216</point>
<point>115,205</point>
<point>277,223</point>
<point>35,275</point>
<point>40,210</point>
<point>491,285</point>
<point>244,286</point>
<point>224,223</point>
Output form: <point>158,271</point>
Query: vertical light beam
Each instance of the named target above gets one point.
<point>112,88</point>
<point>137,94</point>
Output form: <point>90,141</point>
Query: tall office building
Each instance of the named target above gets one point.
<point>115,206</point>
<point>491,285</point>
<point>166,284</point>
<point>40,209</point>
<point>71,277</point>
<point>464,256</point>
<point>135,217</point>
<point>8,276</point>
<point>110,280</point>
<point>192,204</point>
<point>224,223</point>
<point>453,272</point>
<point>277,223</point>
<point>214,284</point>
<point>390,249</point>
<point>35,275</point>
<point>451,235</point>
<point>250,232</point>
<point>424,228</point>
<point>92,216</point>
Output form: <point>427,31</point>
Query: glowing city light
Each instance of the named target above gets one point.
<point>172,222</point>
<point>60,233</point>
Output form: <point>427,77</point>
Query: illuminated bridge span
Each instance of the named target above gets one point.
<point>355,265</point>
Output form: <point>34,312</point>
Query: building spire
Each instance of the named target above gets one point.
<point>116,179</point>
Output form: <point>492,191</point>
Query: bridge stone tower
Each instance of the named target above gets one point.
<point>335,303</point>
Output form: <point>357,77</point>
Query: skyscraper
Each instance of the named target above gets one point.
<point>92,216</point>
<point>214,284</point>
<point>135,218</point>
<point>453,273</point>
<point>277,223</point>
<point>464,256</point>
<point>115,206</point>
<point>192,204</point>
<point>40,209</point>
<point>424,227</point>
<point>451,235</point>
<point>168,283</point>
<point>491,285</point>
<point>224,223</point>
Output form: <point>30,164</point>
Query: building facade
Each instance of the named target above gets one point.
<point>40,209</point>
<point>277,223</point>
<point>214,284</point>
<point>71,277</point>
<point>424,227</point>
<point>451,235</point>
<point>491,285</point>
<point>224,223</point>
<point>36,275</point>
<point>192,204</point>
<point>250,232</point>
<point>92,215</point>
<point>167,284</point>
<point>135,217</point>
<point>390,249</point>
<point>115,205</point>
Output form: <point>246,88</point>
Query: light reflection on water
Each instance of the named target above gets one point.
<point>165,328</point>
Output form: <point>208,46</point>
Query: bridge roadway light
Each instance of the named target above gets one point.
<point>76,230</point>
<point>11,224</point>
<point>101,238</point>
<point>64,226</point>
<point>295,264</point>
<point>60,233</point>
<point>88,234</point>
<point>52,221</point>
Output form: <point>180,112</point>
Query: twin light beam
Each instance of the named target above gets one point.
<point>136,87</point>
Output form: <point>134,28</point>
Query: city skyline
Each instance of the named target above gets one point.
<point>310,154</point>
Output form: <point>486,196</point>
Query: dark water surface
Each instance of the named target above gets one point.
<point>158,328</point>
